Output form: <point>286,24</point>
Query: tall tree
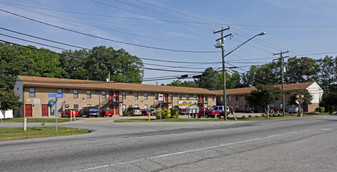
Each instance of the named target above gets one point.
<point>209,79</point>
<point>14,61</point>
<point>262,74</point>
<point>95,64</point>
<point>304,69</point>
<point>264,96</point>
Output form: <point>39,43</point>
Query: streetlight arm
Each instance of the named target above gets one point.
<point>260,34</point>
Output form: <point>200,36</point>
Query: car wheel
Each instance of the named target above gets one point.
<point>206,115</point>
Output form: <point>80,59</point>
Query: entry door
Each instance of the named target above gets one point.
<point>45,110</point>
<point>28,110</point>
<point>166,97</point>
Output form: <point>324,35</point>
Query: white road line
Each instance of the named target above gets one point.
<point>193,150</point>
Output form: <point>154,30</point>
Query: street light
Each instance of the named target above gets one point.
<point>221,45</point>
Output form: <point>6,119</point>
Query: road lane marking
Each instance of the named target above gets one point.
<point>191,151</point>
<point>57,145</point>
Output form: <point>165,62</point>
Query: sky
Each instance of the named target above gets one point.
<point>176,37</point>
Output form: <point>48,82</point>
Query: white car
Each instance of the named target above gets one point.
<point>293,109</point>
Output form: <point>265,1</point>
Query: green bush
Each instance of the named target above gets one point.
<point>165,113</point>
<point>320,109</point>
<point>175,112</point>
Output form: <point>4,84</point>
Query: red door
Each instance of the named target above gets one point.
<point>45,110</point>
<point>117,96</point>
<point>28,110</point>
<point>166,97</point>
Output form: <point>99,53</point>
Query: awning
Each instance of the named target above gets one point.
<point>51,101</point>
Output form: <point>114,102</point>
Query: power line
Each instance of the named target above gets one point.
<point>108,39</point>
<point>114,30</point>
<point>71,45</point>
<point>99,61</point>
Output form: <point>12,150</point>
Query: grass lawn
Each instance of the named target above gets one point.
<point>37,132</point>
<point>216,119</point>
<point>36,120</point>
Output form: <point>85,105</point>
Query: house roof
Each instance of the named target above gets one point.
<point>247,90</point>
<point>32,81</point>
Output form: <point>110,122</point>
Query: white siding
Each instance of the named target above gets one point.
<point>316,91</point>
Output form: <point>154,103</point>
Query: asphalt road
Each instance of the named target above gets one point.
<point>306,144</point>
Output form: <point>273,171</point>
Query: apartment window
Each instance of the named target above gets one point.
<point>103,94</point>
<point>88,94</point>
<point>145,96</point>
<point>59,91</point>
<point>136,96</point>
<point>195,97</point>
<point>156,96</point>
<point>31,92</point>
<point>76,106</point>
<point>187,97</point>
<point>124,95</point>
<point>171,97</point>
<point>221,99</point>
<point>213,97</point>
<point>66,90</point>
<point>229,98</point>
<point>180,96</point>
<point>236,98</point>
<point>88,105</point>
<point>75,93</point>
<point>123,107</point>
<point>136,105</point>
<point>145,106</point>
<point>206,98</point>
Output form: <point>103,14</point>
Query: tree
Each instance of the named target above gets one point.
<point>209,79</point>
<point>178,83</point>
<point>13,62</point>
<point>95,64</point>
<point>234,81</point>
<point>261,74</point>
<point>307,97</point>
<point>8,101</point>
<point>304,69</point>
<point>264,96</point>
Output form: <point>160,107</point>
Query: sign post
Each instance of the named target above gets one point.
<point>56,108</point>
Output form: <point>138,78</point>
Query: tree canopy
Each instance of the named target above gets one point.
<point>264,95</point>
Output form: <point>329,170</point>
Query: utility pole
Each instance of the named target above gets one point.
<point>220,44</point>
<point>282,75</point>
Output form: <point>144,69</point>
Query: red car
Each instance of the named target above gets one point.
<point>205,112</point>
<point>106,112</point>
<point>146,112</point>
<point>66,113</point>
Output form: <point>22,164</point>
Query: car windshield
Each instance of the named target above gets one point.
<point>136,108</point>
<point>94,108</point>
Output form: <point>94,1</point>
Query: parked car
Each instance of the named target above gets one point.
<point>66,113</point>
<point>133,111</point>
<point>220,109</point>
<point>293,109</point>
<point>89,111</point>
<point>146,112</point>
<point>106,112</point>
<point>205,112</point>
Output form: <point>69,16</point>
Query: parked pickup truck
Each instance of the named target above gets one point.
<point>205,112</point>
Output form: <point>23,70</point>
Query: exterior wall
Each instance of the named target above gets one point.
<point>96,99</point>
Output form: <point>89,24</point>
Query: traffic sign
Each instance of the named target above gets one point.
<point>56,95</point>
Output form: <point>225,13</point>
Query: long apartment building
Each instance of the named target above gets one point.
<point>34,93</point>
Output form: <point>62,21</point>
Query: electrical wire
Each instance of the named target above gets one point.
<point>105,28</point>
<point>107,39</point>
